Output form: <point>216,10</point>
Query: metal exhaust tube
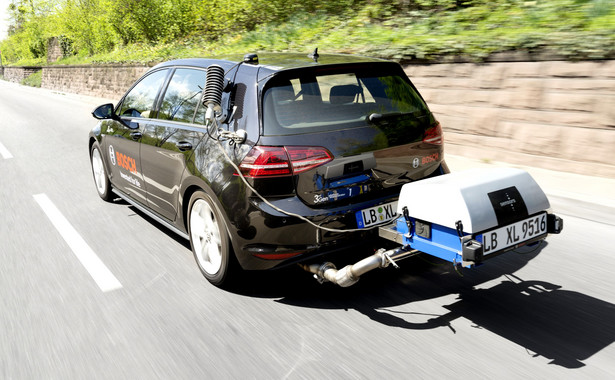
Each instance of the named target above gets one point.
<point>350,274</point>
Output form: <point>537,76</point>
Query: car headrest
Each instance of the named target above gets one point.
<point>344,93</point>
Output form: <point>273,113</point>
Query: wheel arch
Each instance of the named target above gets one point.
<point>185,203</point>
<point>185,199</point>
<point>105,158</point>
<point>192,184</point>
<point>187,195</point>
<point>91,144</point>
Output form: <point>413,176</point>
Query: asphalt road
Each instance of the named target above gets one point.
<point>548,313</point>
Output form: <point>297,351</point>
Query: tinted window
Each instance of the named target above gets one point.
<point>139,102</point>
<point>308,102</point>
<point>183,95</point>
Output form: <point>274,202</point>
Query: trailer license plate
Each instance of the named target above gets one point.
<point>514,234</point>
<point>376,215</point>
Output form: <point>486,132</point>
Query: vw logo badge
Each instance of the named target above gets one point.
<point>112,154</point>
<point>415,162</point>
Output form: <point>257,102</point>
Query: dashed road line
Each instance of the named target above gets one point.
<point>5,152</point>
<point>103,277</point>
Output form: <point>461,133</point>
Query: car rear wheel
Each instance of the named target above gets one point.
<point>209,239</point>
<point>103,186</point>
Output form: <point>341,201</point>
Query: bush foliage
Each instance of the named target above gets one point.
<point>34,80</point>
<point>154,30</point>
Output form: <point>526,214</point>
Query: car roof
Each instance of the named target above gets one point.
<point>272,62</point>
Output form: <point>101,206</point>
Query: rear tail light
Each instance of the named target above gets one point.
<point>266,161</point>
<point>278,161</point>
<point>433,135</point>
<point>306,158</point>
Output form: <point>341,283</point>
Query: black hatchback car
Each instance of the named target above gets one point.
<point>266,161</point>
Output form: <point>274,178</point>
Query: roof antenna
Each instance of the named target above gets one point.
<point>314,55</point>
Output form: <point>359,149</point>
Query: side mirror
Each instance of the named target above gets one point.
<point>106,111</point>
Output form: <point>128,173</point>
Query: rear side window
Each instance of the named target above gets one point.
<point>139,102</point>
<point>183,95</point>
<point>311,102</point>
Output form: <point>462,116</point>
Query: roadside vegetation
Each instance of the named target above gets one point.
<point>104,31</point>
<point>34,80</point>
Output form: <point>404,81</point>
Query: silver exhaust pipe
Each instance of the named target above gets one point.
<point>350,274</point>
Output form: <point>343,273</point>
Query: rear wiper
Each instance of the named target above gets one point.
<point>380,117</point>
<point>376,117</point>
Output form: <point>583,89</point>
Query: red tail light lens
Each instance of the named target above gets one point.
<point>274,161</point>
<point>266,161</point>
<point>433,135</point>
<point>306,158</point>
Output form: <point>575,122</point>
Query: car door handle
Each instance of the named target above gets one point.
<point>136,135</point>
<point>183,146</point>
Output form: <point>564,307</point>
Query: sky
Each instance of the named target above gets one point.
<point>4,15</point>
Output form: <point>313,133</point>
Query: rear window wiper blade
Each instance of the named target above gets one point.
<point>383,117</point>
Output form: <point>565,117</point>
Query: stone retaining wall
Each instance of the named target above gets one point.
<point>106,81</point>
<point>18,74</point>
<point>555,115</point>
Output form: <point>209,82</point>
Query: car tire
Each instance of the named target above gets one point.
<point>209,239</point>
<point>101,178</point>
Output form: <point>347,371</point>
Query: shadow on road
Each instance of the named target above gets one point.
<point>558,324</point>
<point>564,326</point>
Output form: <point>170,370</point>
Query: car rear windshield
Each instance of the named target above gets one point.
<point>306,101</point>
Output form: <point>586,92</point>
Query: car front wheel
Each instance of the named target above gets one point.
<point>103,187</point>
<point>209,238</point>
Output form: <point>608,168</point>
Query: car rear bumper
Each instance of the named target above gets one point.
<point>267,238</point>
<point>274,238</point>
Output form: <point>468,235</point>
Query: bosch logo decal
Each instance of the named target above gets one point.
<point>431,158</point>
<point>126,162</point>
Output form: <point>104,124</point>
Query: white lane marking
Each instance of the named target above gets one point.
<point>5,152</point>
<point>105,280</point>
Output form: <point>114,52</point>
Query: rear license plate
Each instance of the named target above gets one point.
<point>514,234</point>
<point>376,215</point>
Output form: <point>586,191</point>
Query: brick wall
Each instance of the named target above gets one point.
<point>107,81</point>
<point>17,74</point>
<point>555,115</point>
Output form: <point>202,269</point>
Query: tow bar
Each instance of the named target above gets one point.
<point>480,213</point>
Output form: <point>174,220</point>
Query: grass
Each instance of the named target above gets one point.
<point>567,29</point>
<point>34,80</point>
